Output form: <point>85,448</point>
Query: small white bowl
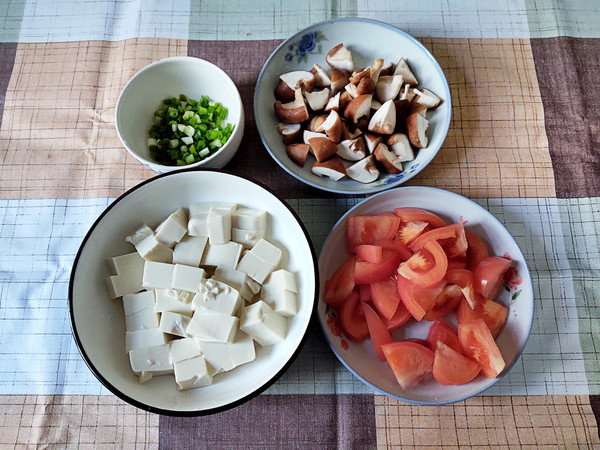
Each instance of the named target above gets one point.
<point>360,358</point>
<point>367,39</point>
<point>99,323</point>
<point>170,77</point>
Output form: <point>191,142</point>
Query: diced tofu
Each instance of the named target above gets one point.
<point>226,255</point>
<point>260,261</point>
<point>139,235</point>
<point>173,323</point>
<point>283,302</point>
<point>280,292</point>
<point>218,297</point>
<point>280,280</point>
<point>152,250</point>
<point>248,238</point>
<point>187,278</point>
<point>198,221</point>
<point>182,349</point>
<point>173,228</point>
<point>127,272</point>
<point>141,320</point>
<point>133,303</point>
<point>148,337</point>
<point>219,222</point>
<point>189,250</point>
<point>192,373</point>
<point>249,219</point>
<point>153,359</point>
<point>238,280</point>
<point>157,275</point>
<point>213,326</point>
<point>262,323</point>
<point>224,357</point>
<point>173,300</point>
<point>267,252</point>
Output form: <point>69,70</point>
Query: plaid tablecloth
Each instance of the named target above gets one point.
<point>524,143</point>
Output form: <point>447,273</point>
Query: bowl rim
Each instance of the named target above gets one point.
<point>151,66</point>
<point>190,413</point>
<point>526,279</point>
<point>445,126</point>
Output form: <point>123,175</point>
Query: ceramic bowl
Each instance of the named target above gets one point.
<point>360,357</point>
<point>367,40</point>
<point>167,78</point>
<point>99,324</point>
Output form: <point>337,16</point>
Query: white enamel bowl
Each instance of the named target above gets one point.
<point>99,323</point>
<point>367,40</point>
<point>360,358</point>
<point>170,77</point>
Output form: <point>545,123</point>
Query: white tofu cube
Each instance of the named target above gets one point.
<point>280,280</point>
<point>198,221</point>
<point>267,251</point>
<point>213,326</point>
<point>263,324</point>
<point>141,320</point>
<point>127,273</point>
<point>148,337</point>
<point>238,280</point>
<point>280,292</point>
<point>226,255</point>
<point>283,302</point>
<point>249,219</point>
<point>224,357</point>
<point>248,238</point>
<point>192,373</point>
<point>173,228</point>
<point>157,275</point>
<point>219,222</point>
<point>218,297</point>
<point>139,235</point>
<point>133,303</point>
<point>173,323</point>
<point>189,250</point>
<point>182,349</point>
<point>260,261</point>
<point>152,250</point>
<point>153,359</point>
<point>173,300</point>
<point>187,278</point>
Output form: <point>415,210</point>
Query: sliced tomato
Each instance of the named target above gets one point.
<point>456,247</point>
<point>352,318</point>
<point>341,284</point>
<point>365,273</point>
<point>445,303</point>
<point>464,279</point>
<point>397,245</point>
<point>443,234</point>
<point>477,250</point>
<point>440,331</point>
<point>478,344</point>
<point>365,292</point>
<point>409,231</point>
<point>401,316</point>
<point>368,229</point>
<point>377,330</point>
<point>410,362</point>
<point>422,342</point>
<point>451,367</point>
<point>457,263</point>
<point>417,299</point>
<point>408,214</point>
<point>489,274</point>
<point>427,267</point>
<point>368,252</point>
<point>385,297</point>
<point>492,313</point>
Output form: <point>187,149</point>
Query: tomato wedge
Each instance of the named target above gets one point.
<point>440,331</point>
<point>352,318</point>
<point>368,252</point>
<point>450,367</point>
<point>464,279</point>
<point>489,274</point>
<point>401,316</point>
<point>408,214</point>
<point>417,299</point>
<point>478,344</point>
<point>410,362</point>
<point>385,297</point>
<point>477,250</point>
<point>409,231</point>
<point>397,245</point>
<point>365,273</point>
<point>492,313</point>
<point>425,271</point>
<point>437,234</point>
<point>456,247</point>
<point>365,292</point>
<point>370,228</point>
<point>341,284</point>
<point>445,303</point>
<point>377,330</point>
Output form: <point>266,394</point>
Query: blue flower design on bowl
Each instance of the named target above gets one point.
<point>308,44</point>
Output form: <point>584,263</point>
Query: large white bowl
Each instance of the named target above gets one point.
<point>99,323</point>
<point>360,357</point>
<point>170,77</point>
<point>367,39</point>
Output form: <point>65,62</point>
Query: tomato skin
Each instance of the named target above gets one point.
<point>417,299</point>
<point>341,284</point>
<point>377,330</point>
<point>365,292</point>
<point>368,252</point>
<point>410,362</point>
<point>445,303</point>
<point>477,250</point>
<point>465,279</point>
<point>440,331</point>
<point>489,274</point>
<point>478,344</point>
<point>368,229</point>
<point>352,318</point>
<point>366,273</point>
<point>456,247</point>
<point>432,273</point>
<point>409,214</point>
<point>437,234</point>
<point>385,297</point>
<point>492,313</point>
<point>396,245</point>
<point>451,367</point>
<point>401,316</point>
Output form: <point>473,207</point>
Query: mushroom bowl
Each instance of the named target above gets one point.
<point>352,106</point>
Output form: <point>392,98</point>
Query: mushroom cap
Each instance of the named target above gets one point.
<point>402,68</point>
<point>352,149</point>
<point>363,171</point>
<point>358,107</point>
<point>299,79</point>
<point>333,168</point>
<point>292,112</point>
<point>298,153</point>
<point>315,123</point>
<point>321,77</point>
<point>359,75</point>
<point>322,147</point>
<point>333,126</point>
<point>289,131</point>
<point>400,145</point>
<point>283,92</point>
<point>365,86</point>
<point>384,119</point>
<point>387,159</point>
<point>427,98</point>
<point>417,127</point>
<point>311,134</point>
<point>338,80</point>
<point>334,103</point>
<point>317,99</point>
<point>372,140</point>
<point>339,57</point>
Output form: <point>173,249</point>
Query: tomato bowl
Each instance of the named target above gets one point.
<point>515,295</point>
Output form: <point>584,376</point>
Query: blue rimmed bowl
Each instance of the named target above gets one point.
<point>367,40</point>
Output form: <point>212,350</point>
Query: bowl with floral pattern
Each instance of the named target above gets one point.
<point>366,41</point>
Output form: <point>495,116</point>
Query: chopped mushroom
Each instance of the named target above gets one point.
<point>387,159</point>
<point>352,149</point>
<point>315,123</point>
<point>384,119</point>
<point>358,107</point>
<point>371,141</point>
<point>334,103</point>
<point>311,134</point>
<point>289,131</point>
<point>293,112</point>
<point>388,87</point>
<point>400,145</point>
<point>321,77</point>
<point>402,68</point>
<point>333,168</point>
<point>417,126</point>
<point>427,98</point>
<point>365,86</point>
<point>339,57</point>
<point>338,80</point>
<point>299,79</point>
<point>322,147</point>
<point>298,153</point>
<point>317,99</point>
<point>333,126</point>
<point>363,171</point>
